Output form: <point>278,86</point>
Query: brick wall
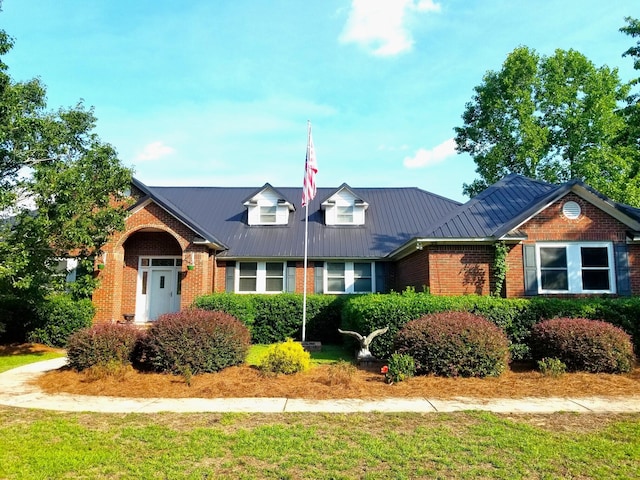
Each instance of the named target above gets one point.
<point>412,271</point>
<point>593,224</point>
<point>461,269</point>
<point>150,231</point>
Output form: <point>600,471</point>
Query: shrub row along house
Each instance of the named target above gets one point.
<point>181,242</point>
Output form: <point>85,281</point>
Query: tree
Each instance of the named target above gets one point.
<point>630,137</point>
<point>551,118</point>
<point>61,188</point>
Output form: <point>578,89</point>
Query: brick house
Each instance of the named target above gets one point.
<point>181,242</point>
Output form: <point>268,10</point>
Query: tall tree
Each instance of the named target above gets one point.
<point>630,138</point>
<point>552,118</point>
<point>61,187</point>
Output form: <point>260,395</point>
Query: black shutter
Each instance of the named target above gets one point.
<point>230,274</point>
<point>381,276</point>
<point>318,276</point>
<point>530,270</point>
<point>291,277</point>
<point>623,279</point>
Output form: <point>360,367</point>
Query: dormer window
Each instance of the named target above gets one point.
<point>268,207</point>
<point>268,214</point>
<point>344,207</point>
<point>344,215</point>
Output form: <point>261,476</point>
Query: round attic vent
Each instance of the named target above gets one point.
<point>571,210</point>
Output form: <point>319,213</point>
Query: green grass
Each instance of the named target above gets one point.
<point>8,362</point>
<point>329,354</point>
<point>38,444</point>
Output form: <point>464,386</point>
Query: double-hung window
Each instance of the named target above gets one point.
<point>260,277</point>
<point>349,277</point>
<point>268,214</point>
<point>344,215</point>
<point>576,268</point>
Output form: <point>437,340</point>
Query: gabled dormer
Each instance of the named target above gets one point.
<point>344,207</point>
<point>268,207</point>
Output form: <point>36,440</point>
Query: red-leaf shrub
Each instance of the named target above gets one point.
<point>583,345</point>
<point>195,341</point>
<point>101,345</point>
<point>454,344</point>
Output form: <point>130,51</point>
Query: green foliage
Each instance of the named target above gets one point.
<point>500,267</point>
<point>57,317</point>
<point>273,318</point>
<point>198,340</point>
<point>103,345</point>
<point>16,314</point>
<point>452,344</point>
<point>287,358</point>
<point>583,345</point>
<point>74,183</point>
<point>552,118</point>
<point>399,367</point>
<point>552,367</point>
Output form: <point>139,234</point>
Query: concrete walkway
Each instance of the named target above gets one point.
<point>15,391</point>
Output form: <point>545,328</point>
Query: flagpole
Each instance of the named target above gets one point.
<point>306,242</point>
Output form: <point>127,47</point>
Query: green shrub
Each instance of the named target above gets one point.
<point>16,315</point>
<point>274,318</point>
<point>57,317</point>
<point>399,368</point>
<point>454,344</point>
<point>552,367</point>
<point>287,358</point>
<point>195,341</point>
<point>104,345</point>
<point>583,345</point>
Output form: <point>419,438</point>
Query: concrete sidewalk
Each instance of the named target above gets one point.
<point>15,391</point>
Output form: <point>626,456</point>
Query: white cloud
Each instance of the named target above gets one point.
<point>381,25</point>
<point>154,151</point>
<point>427,158</point>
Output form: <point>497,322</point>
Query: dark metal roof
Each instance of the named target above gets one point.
<point>394,216</point>
<point>495,211</point>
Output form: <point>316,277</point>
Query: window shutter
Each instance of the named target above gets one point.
<point>530,270</point>
<point>623,280</point>
<point>382,269</point>
<point>230,274</point>
<point>291,277</point>
<point>318,276</point>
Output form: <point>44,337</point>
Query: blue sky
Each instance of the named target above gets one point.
<point>205,92</point>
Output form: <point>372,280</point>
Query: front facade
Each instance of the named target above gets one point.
<point>181,242</point>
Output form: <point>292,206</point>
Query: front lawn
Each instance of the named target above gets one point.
<point>12,356</point>
<point>472,445</point>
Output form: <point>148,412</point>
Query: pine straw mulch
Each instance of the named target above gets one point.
<point>332,382</point>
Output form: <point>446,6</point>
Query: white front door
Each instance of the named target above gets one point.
<point>159,287</point>
<point>161,292</point>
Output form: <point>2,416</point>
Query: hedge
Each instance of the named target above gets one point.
<point>274,318</point>
<point>515,316</point>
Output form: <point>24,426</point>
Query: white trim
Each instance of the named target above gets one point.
<point>261,277</point>
<point>349,277</point>
<point>575,268</point>
<point>143,299</point>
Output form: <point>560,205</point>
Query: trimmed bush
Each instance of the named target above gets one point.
<point>287,358</point>
<point>274,318</point>
<point>400,367</point>
<point>58,316</point>
<point>552,367</point>
<point>195,341</point>
<point>452,344</point>
<point>103,345</point>
<point>583,345</point>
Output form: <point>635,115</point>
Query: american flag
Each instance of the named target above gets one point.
<point>310,170</point>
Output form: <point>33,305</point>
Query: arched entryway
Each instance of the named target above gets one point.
<point>152,283</point>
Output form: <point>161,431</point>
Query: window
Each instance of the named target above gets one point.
<point>248,276</point>
<point>274,276</point>
<point>335,277</point>
<point>576,268</point>
<point>268,214</point>
<point>349,277</point>
<point>260,277</point>
<point>344,214</point>
<point>361,277</point>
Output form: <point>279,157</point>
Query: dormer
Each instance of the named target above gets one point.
<point>344,207</point>
<point>268,207</point>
